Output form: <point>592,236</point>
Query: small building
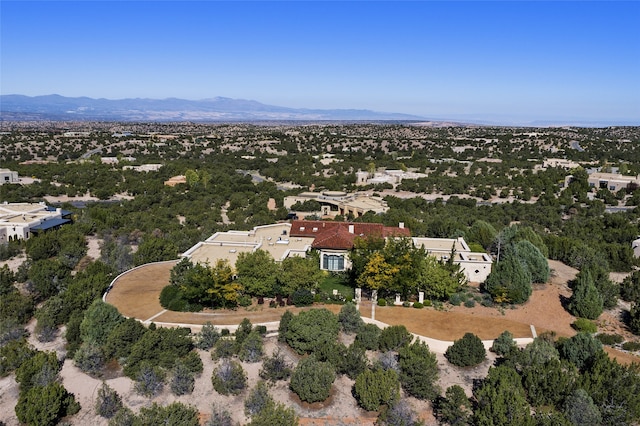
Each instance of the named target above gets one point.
<point>20,221</point>
<point>612,181</point>
<point>8,176</point>
<point>175,180</point>
<point>334,203</point>
<point>475,266</point>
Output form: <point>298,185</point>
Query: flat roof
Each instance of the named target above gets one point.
<point>440,244</point>
<point>274,239</point>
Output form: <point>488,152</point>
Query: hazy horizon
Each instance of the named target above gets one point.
<point>486,61</point>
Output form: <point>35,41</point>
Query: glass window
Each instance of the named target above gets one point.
<point>333,262</point>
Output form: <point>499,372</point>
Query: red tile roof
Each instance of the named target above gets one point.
<point>341,235</point>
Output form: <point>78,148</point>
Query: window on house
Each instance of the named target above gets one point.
<point>333,262</point>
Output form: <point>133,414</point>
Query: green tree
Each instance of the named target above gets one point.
<point>45,405</point>
<point>466,351</point>
<point>41,369</point>
<point>580,409</point>
<point>509,282</point>
<point>418,370</point>
<point>436,279</point>
<point>258,399</point>
<point>99,320</point>
<point>349,319</point>
<point>585,302</point>
<point>394,337</point>
<point>298,273</point>
<point>504,344</point>
<point>454,408</point>
<point>536,263</point>
<point>580,349</point>
<point>251,348</point>
<point>311,380</point>
<point>257,272</point>
<point>155,249</point>
<point>310,330</point>
<point>369,336</point>
<point>501,399</point>
<point>481,232</point>
<point>374,388</point>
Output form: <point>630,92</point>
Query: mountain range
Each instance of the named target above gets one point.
<point>56,107</point>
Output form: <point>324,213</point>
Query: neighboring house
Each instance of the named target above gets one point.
<point>333,241</point>
<point>19,221</point>
<point>612,181</point>
<point>8,176</point>
<point>334,203</point>
<point>176,180</point>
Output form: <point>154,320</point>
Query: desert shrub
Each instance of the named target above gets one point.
<point>224,348</point>
<point>584,325</point>
<point>283,327</point>
<point>108,402</point>
<point>634,318</point>
<point>149,380</point>
<point>261,329</point>
<point>382,302</point>
<point>302,297</point>
<point>207,337</point>
<point>311,329</point>
<point>99,320</point>
<point>631,346</point>
<point>243,330</point>
<point>39,370</point>
<point>251,348</point>
<point>225,332</point>
<point>466,351</point>
<point>388,361</point>
<point>456,299</point>
<point>123,417</point>
<point>273,304</point>
<point>229,378</point>
<point>375,388</point>
<point>122,338</point>
<point>610,339</point>
<point>354,361</point>
<point>399,414</point>
<point>182,381</point>
<point>368,337</point>
<point>275,415</point>
<point>418,370</point>
<point>311,380</point>
<point>504,344</point>
<point>406,304</point>
<point>630,288</point>
<point>454,408</point>
<point>580,409</point>
<point>193,362</point>
<point>89,358</point>
<point>244,300</point>
<point>470,303</point>
<point>219,417</point>
<point>173,414</point>
<point>394,337</point>
<point>13,354</point>
<point>418,305</point>
<point>45,405</point>
<point>258,399</point>
<point>275,368</point>
<point>349,319</point>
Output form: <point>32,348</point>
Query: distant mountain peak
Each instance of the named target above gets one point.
<point>58,107</point>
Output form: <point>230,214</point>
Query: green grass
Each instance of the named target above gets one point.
<point>332,282</point>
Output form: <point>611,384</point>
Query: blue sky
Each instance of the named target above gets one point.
<point>515,60</point>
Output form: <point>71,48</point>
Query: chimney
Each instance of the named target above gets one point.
<point>352,229</point>
<point>401,225</point>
